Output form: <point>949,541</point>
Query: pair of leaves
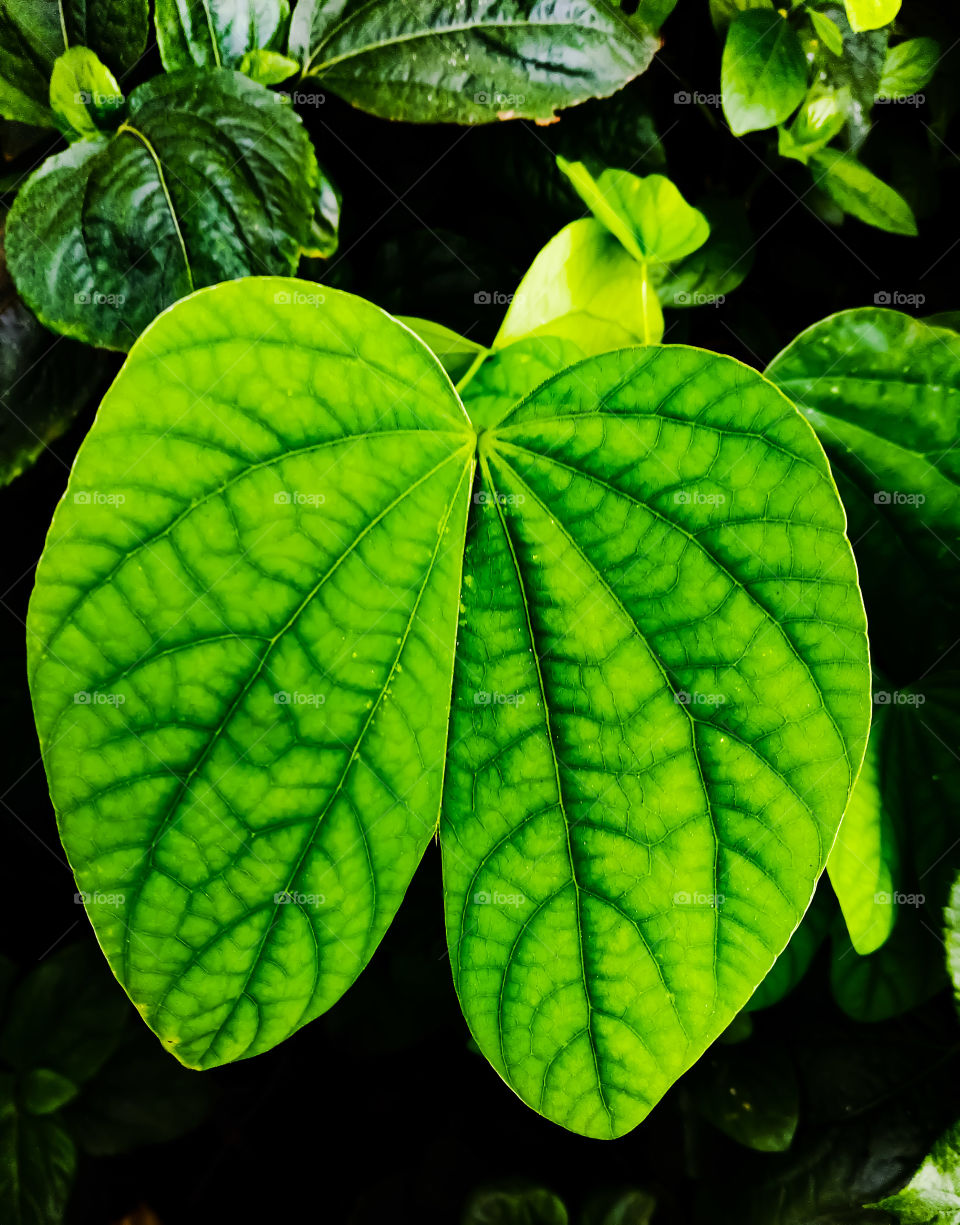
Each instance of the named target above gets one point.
<point>248,36</point>
<point>599,282</point>
<point>612,643</point>
<point>473,61</point>
<point>210,176</point>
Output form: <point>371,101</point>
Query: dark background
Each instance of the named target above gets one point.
<point>382,1110</point>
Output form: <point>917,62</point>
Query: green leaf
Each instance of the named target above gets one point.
<point>84,93</point>
<point>471,61</point>
<point>864,861</point>
<point>932,1196</point>
<point>33,35</point>
<point>268,67</point>
<point>716,268</point>
<point>750,1094</point>
<point>210,177</point>
<point>908,67</point>
<point>595,954</point>
<point>584,286</point>
<point>509,374</point>
<point>455,353</point>
<point>871,14</point>
<point>37,1165</point>
<point>219,33</point>
<point>65,1016</point>
<point>827,31</point>
<point>818,121</point>
<point>793,963</point>
<point>528,1206</point>
<point>40,394</point>
<point>905,972</point>
<point>648,215</point>
<point>43,1091</point>
<point>882,390</point>
<point>861,194</point>
<point>331,442</point>
<point>659,693</point>
<point>763,73</point>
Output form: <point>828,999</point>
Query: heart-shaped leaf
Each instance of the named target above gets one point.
<point>243,667</point>
<point>473,61</point>
<point>210,176</point>
<point>763,71</point>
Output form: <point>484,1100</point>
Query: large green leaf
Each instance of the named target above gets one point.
<point>209,177</point>
<point>217,33</point>
<point>763,74</point>
<point>33,35</point>
<point>621,618</point>
<point>243,670</point>
<point>472,61</point>
<point>270,729</point>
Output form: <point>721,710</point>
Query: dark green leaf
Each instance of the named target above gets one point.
<point>794,961</point>
<point>43,1091</point>
<point>65,1016</point>
<point>219,33</point>
<point>37,1164</point>
<point>750,1094</point>
<point>472,61</point>
<point>224,182</point>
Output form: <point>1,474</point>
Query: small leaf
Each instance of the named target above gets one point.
<point>43,1091</point>
<point>827,31</point>
<point>871,14</point>
<point>268,67</point>
<point>584,286</point>
<point>818,121</point>
<point>84,94</point>
<point>864,862</point>
<point>93,266</point>
<point>763,72</point>
<point>219,33</point>
<point>861,194</point>
<point>472,61</point>
<point>455,353</point>
<point>908,67</point>
<point>648,215</point>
